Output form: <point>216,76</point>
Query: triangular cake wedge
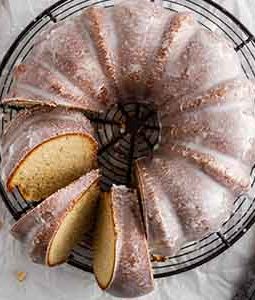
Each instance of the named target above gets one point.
<point>45,149</point>
<point>163,227</point>
<point>121,258</point>
<point>52,229</point>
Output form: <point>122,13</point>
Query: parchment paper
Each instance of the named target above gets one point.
<point>220,279</point>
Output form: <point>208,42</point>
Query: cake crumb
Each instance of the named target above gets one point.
<point>21,276</point>
<point>158,258</point>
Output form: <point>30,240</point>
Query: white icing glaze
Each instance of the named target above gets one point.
<point>200,204</point>
<point>139,28</point>
<point>132,275</point>
<point>205,61</point>
<point>164,230</point>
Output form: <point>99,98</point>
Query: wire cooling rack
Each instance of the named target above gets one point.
<point>129,142</point>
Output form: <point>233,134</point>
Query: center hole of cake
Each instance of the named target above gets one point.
<point>125,133</point>
<point>133,125</point>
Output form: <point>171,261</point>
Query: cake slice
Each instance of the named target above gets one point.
<point>45,149</point>
<point>163,227</point>
<point>121,258</point>
<point>54,227</point>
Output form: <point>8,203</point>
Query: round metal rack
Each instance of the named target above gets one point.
<point>123,140</point>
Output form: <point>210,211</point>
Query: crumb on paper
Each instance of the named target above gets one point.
<point>1,224</point>
<point>158,258</point>
<point>21,276</point>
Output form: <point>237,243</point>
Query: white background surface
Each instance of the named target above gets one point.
<point>218,279</point>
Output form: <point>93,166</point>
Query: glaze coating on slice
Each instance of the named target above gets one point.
<point>45,230</point>
<point>164,230</point>
<point>44,149</point>
<point>121,258</point>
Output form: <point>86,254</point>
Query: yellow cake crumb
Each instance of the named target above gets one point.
<point>158,258</point>
<point>21,276</point>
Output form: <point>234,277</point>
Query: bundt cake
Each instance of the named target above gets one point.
<point>121,257</point>
<point>133,52</point>
<point>44,149</point>
<point>52,229</point>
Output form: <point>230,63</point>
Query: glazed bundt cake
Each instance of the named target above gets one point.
<point>52,229</point>
<point>133,52</point>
